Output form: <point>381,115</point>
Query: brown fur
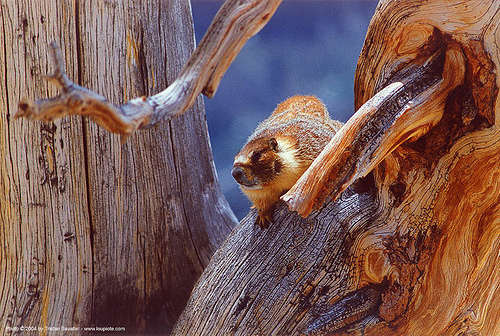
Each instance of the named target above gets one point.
<point>280,150</point>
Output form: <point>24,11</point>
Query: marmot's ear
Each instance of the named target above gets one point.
<point>273,144</point>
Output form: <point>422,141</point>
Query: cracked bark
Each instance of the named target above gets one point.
<point>94,232</point>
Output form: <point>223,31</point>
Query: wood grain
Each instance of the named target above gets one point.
<point>45,257</point>
<point>95,232</point>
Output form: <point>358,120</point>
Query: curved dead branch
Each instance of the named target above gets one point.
<point>233,25</point>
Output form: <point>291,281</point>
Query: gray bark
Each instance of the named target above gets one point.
<point>95,232</point>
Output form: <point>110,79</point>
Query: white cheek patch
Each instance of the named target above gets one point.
<point>240,159</point>
<point>287,153</point>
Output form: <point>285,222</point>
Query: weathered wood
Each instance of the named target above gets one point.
<point>448,181</point>
<point>147,207</point>
<point>93,232</point>
<point>421,230</point>
<point>45,254</point>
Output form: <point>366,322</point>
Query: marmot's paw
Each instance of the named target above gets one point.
<point>264,219</point>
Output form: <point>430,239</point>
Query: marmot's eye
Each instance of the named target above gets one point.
<point>273,144</point>
<point>255,156</point>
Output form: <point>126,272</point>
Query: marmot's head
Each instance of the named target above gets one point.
<point>263,162</point>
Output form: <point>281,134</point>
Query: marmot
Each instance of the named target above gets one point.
<point>280,149</point>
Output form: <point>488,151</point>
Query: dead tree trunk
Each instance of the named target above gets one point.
<point>407,240</point>
<point>94,232</point>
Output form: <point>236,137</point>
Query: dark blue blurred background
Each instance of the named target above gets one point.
<point>308,47</point>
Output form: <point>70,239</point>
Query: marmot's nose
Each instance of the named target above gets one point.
<point>238,174</point>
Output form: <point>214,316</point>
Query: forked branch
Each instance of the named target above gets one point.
<point>77,100</point>
<point>233,25</point>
